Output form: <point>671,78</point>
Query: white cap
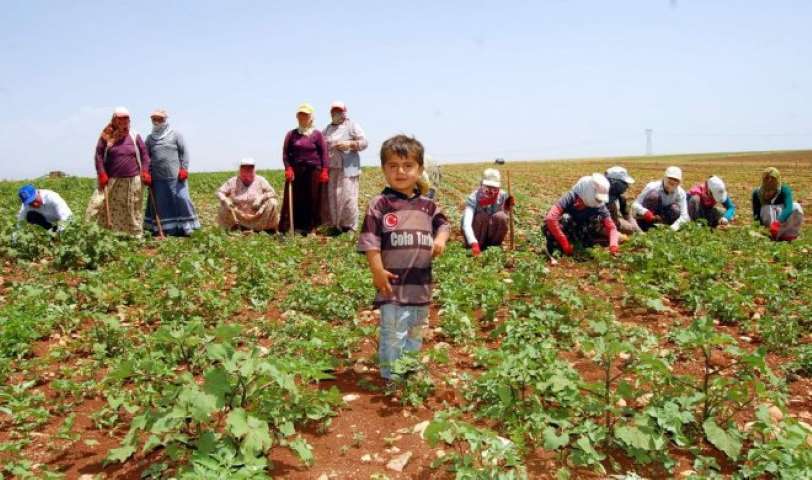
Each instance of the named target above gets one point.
<point>339,105</point>
<point>248,162</point>
<point>121,112</point>
<point>491,178</point>
<point>673,172</point>
<point>717,189</point>
<point>619,173</point>
<point>601,187</point>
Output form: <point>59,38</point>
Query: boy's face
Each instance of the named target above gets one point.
<point>402,173</point>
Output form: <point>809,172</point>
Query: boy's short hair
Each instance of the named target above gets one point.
<point>403,146</point>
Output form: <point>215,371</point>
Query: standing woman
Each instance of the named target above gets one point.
<point>345,139</point>
<point>774,208</point>
<point>169,170</point>
<point>304,154</point>
<point>122,166</point>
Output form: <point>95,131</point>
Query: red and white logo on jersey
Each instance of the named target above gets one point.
<point>390,220</point>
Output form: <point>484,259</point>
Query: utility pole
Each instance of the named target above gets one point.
<point>648,141</point>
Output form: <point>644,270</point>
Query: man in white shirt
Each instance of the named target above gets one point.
<point>42,207</point>
<point>662,202</point>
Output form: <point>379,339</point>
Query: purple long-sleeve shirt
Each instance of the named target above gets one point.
<point>300,150</point>
<point>121,161</point>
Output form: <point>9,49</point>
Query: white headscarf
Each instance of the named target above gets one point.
<point>590,187</point>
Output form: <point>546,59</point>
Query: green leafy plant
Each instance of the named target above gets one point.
<point>476,453</point>
<point>411,378</point>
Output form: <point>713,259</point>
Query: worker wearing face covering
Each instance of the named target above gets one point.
<point>345,139</point>
<point>618,205</point>
<point>248,201</point>
<point>662,202</point>
<point>122,168</point>
<point>485,219</point>
<point>703,199</point>
<point>170,172</point>
<point>307,168</point>
<point>775,209</point>
<point>581,216</point>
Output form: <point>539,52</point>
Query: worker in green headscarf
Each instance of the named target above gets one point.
<point>774,208</point>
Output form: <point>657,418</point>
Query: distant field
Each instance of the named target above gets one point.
<point>252,356</point>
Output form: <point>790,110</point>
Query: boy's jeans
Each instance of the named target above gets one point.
<point>401,330</point>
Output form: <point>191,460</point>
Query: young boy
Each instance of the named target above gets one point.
<point>402,232</point>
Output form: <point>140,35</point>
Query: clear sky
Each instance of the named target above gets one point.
<point>472,80</point>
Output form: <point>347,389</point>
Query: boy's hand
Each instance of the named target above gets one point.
<point>381,278</point>
<point>439,247</point>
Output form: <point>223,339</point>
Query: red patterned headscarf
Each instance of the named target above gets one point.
<point>112,134</point>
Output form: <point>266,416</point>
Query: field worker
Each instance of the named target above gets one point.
<point>306,160</point>
<point>344,139</point>
<point>429,182</point>
<point>42,207</point>
<point>662,202</point>
<point>702,200</point>
<point>618,205</point>
<point>774,208</point>
<point>248,201</point>
<point>402,231</point>
<point>170,170</point>
<point>581,216</point>
<point>122,168</point>
<point>485,219</point>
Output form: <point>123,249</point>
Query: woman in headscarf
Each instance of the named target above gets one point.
<point>170,171</point>
<point>122,167</point>
<point>306,161</point>
<point>702,201</point>
<point>774,208</point>
<point>581,216</point>
<point>429,182</point>
<point>662,202</point>
<point>248,201</point>
<point>485,218</point>
<point>345,139</point>
<point>618,205</point>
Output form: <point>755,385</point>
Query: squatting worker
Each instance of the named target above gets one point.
<point>703,199</point>
<point>581,216</point>
<point>248,201</point>
<point>662,202</point>
<point>42,207</point>
<point>618,205</point>
<point>775,209</point>
<point>485,218</point>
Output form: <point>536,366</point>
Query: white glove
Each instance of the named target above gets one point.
<point>723,221</point>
